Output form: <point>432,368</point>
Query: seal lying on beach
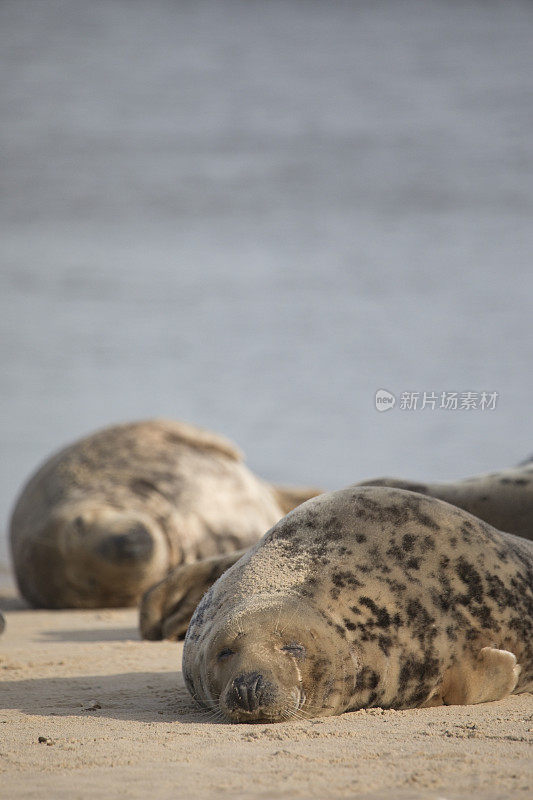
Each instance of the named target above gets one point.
<point>365,597</point>
<point>504,499</point>
<point>107,517</point>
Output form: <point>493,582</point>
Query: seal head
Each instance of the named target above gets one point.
<point>109,515</point>
<point>95,556</point>
<point>254,671</point>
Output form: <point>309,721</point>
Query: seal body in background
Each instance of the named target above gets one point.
<point>503,498</point>
<point>110,515</point>
<point>365,597</point>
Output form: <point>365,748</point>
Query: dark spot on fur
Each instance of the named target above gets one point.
<point>398,515</point>
<point>484,615</point>
<point>451,633</point>
<point>417,696</point>
<point>420,672</point>
<point>498,592</point>
<point>367,679</point>
<point>385,643</point>
<point>470,576</point>
<point>396,586</point>
<point>381,614</point>
<point>426,521</point>
<point>420,621</point>
<point>396,553</point>
<point>318,670</point>
<point>343,579</point>
<point>465,530</point>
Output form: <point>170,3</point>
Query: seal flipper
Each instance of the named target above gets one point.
<point>167,607</point>
<point>492,676</point>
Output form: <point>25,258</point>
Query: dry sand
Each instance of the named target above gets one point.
<point>119,723</point>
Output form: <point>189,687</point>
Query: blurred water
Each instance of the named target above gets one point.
<point>252,215</point>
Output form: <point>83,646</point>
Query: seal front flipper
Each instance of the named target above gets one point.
<point>167,607</point>
<point>492,676</point>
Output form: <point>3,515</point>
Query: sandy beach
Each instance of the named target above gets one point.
<point>255,217</point>
<point>115,720</point>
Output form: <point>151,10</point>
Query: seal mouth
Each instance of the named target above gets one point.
<point>249,700</point>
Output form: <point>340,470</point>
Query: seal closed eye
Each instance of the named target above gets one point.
<point>293,649</point>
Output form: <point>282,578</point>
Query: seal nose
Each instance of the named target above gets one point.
<point>249,691</point>
<point>136,544</point>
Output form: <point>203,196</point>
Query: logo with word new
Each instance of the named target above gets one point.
<point>384,400</point>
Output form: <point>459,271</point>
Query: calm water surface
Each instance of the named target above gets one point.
<point>252,215</point>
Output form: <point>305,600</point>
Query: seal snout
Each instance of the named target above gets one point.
<point>250,691</point>
<point>135,544</point>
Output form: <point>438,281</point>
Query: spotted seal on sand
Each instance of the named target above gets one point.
<point>367,596</point>
<point>504,499</point>
<point>108,516</point>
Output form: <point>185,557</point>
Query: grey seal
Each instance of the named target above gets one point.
<point>368,596</point>
<point>111,514</point>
